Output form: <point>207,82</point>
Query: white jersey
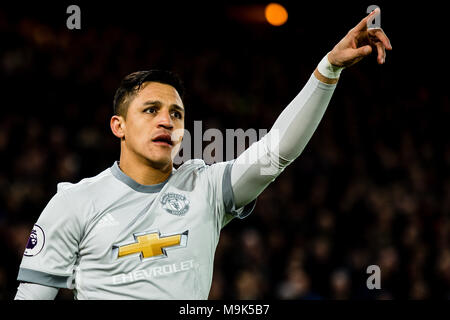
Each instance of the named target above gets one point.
<point>109,237</point>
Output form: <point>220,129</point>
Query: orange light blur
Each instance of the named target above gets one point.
<point>276,14</point>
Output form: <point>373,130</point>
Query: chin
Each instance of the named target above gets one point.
<point>159,162</point>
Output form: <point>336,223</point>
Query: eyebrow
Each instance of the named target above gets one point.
<point>159,104</point>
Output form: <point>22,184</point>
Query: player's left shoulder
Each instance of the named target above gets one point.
<point>198,166</point>
<point>193,162</point>
<point>190,166</point>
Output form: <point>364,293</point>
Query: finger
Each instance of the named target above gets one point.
<point>362,51</point>
<point>362,25</point>
<point>381,53</point>
<point>381,36</point>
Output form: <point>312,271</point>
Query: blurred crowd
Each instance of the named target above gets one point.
<point>371,187</point>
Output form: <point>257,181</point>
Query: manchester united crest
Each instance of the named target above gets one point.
<point>174,203</point>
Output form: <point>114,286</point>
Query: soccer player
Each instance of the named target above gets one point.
<point>142,229</point>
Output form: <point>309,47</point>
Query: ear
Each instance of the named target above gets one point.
<point>117,124</point>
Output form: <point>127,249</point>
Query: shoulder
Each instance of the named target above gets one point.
<point>197,169</point>
<point>192,164</point>
<point>86,185</point>
<point>71,202</point>
<point>86,197</point>
<point>198,166</point>
<point>90,193</point>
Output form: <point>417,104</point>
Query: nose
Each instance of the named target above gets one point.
<point>165,120</point>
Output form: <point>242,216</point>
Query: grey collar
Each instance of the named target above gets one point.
<point>120,175</point>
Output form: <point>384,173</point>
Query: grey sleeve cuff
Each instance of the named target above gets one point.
<point>228,196</point>
<point>34,291</point>
<point>46,279</point>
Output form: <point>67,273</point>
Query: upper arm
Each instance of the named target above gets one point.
<point>222,195</point>
<point>52,248</point>
<point>33,291</point>
<point>254,170</point>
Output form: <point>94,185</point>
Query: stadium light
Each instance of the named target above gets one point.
<point>276,14</point>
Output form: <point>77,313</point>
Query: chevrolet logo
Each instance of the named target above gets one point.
<point>151,244</point>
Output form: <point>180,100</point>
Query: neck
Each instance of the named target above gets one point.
<point>142,171</point>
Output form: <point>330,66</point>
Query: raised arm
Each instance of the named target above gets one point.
<point>263,161</point>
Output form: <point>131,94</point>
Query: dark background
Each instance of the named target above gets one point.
<point>371,187</point>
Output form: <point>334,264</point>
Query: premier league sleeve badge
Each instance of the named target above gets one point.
<point>35,242</point>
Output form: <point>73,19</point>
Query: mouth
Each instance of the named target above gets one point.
<point>163,140</point>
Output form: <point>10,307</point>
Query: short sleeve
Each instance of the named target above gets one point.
<point>52,249</point>
<point>221,193</point>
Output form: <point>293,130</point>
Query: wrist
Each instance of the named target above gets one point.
<point>329,70</point>
<point>324,79</point>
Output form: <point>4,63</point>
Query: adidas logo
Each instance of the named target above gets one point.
<point>107,221</point>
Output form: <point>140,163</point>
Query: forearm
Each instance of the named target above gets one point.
<point>33,291</point>
<point>296,124</point>
<point>260,164</point>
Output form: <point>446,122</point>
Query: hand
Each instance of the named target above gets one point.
<point>359,42</point>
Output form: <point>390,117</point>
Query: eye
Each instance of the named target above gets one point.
<point>150,110</point>
<point>177,114</point>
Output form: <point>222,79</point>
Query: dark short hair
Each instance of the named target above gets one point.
<point>132,83</point>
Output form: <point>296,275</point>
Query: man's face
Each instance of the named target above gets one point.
<point>154,124</point>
